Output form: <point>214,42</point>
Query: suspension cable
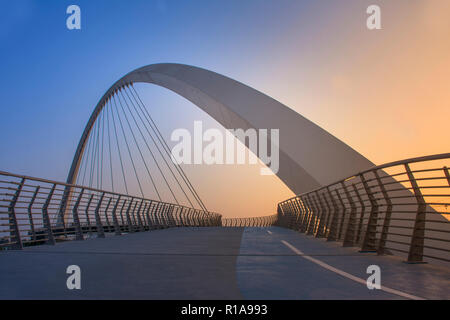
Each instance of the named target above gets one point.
<point>149,149</point>
<point>167,149</point>
<point>109,148</point>
<point>156,145</point>
<point>137,145</point>
<point>118,147</point>
<point>129,151</point>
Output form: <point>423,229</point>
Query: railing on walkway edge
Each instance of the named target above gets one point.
<point>265,221</point>
<point>29,208</point>
<point>397,208</point>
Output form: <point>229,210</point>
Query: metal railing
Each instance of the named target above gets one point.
<point>401,208</point>
<point>265,221</point>
<point>29,210</point>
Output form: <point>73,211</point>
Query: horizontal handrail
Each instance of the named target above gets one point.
<point>394,208</point>
<point>263,221</point>
<point>37,211</point>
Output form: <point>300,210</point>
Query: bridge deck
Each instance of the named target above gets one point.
<point>212,263</point>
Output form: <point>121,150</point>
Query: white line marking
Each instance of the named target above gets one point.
<point>269,232</point>
<point>348,275</point>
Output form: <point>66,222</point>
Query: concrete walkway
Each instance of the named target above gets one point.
<point>213,263</point>
<point>268,269</point>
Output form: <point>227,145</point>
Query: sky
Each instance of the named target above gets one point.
<point>383,92</point>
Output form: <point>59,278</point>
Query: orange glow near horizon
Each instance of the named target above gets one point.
<point>386,93</point>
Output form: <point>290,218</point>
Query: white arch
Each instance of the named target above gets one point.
<point>310,157</point>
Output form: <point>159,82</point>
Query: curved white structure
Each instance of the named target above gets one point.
<point>310,157</point>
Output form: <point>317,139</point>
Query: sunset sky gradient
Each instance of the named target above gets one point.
<point>386,93</point>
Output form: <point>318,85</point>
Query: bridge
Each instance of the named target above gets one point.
<point>347,217</point>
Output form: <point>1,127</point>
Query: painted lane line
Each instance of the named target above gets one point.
<point>269,232</point>
<point>347,275</point>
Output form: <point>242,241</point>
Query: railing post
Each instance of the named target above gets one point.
<point>197,218</point>
<point>192,217</point>
<point>88,220</point>
<point>144,215</point>
<point>295,214</point>
<point>369,242</point>
<point>172,217</point>
<point>342,218</point>
<point>328,218</point>
<point>320,229</point>
<point>147,214</point>
<point>114,215</point>
<point>76,218</point>
<point>299,214</point>
<point>415,254</point>
<point>447,175</point>
<point>98,220</point>
<point>317,213</point>
<point>363,212</point>
<point>349,237</point>
<point>14,230</point>
<point>122,219</point>
<point>164,215</point>
<point>387,216</point>
<point>138,213</point>
<point>182,222</point>
<point>184,217</point>
<point>46,218</point>
<point>305,218</point>
<point>30,212</point>
<point>159,215</point>
<point>130,223</point>
<point>332,236</point>
<point>154,217</point>
<point>311,222</point>
<point>106,215</point>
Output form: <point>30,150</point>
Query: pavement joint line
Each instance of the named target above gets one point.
<point>348,275</point>
<point>184,254</point>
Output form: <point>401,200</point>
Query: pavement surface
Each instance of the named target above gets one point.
<point>214,263</point>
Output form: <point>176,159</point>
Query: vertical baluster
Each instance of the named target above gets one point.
<point>46,218</point>
<point>362,213</point>
<point>108,225</point>
<point>447,175</point>
<point>14,230</point>
<point>415,254</point>
<point>387,216</point>
<point>122,209</point>
<point>30,212</point>
<point>130,223</point>
<point>332,236</point>
<point>98,220</point>
<point>342,216</point>
<point>349,237</point>
<point>369,240</point>
<point>311,222</point>
<point>76,218</point>
<point>114,216</point>
<point>86,211</point>
<point>299,214</point>
<point>147,214</point>
<point>328,213</point>
<point>304,223</point>
<point>320,227</point>
<point>138,213</point>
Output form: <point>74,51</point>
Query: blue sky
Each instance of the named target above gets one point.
<point>52,77</point>
<point>367,88</point>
